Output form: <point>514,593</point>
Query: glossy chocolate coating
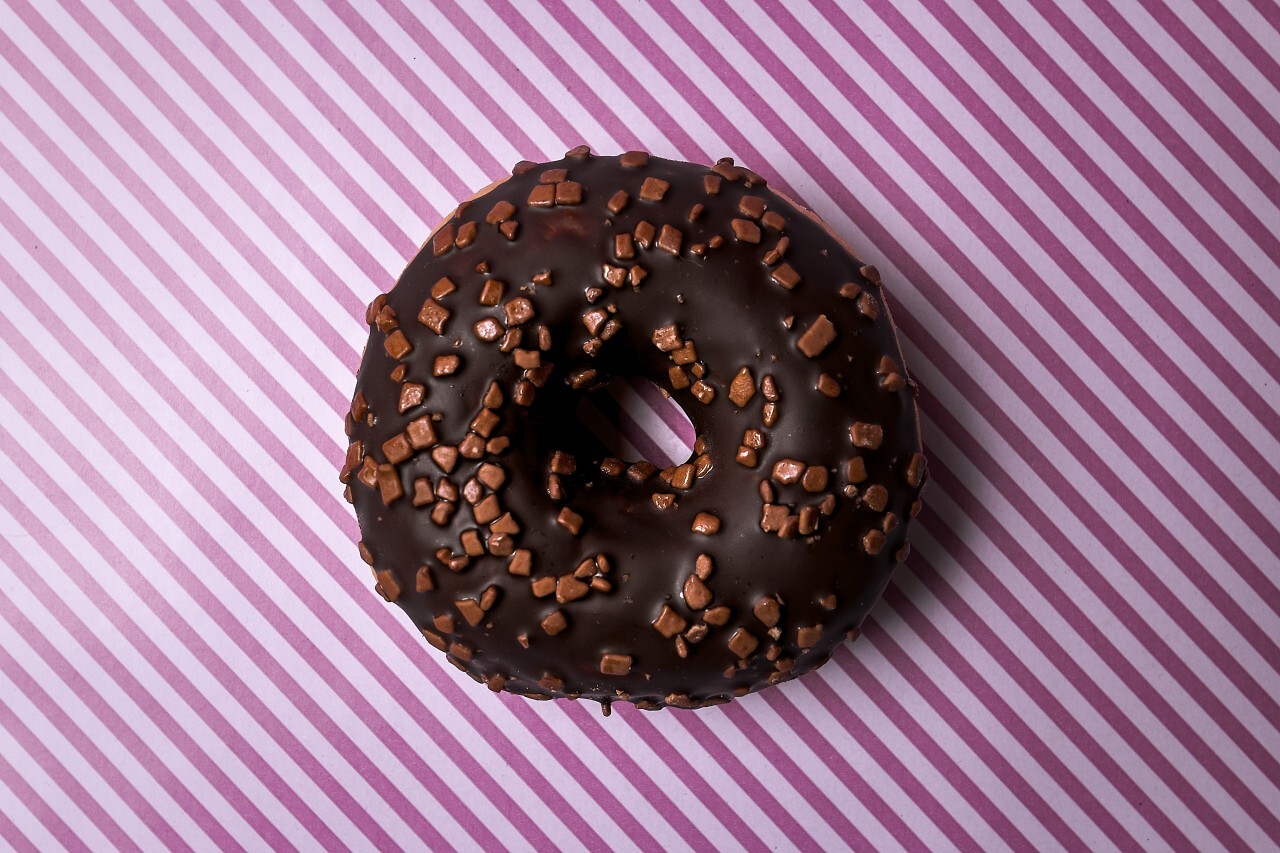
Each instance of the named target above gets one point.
<point>728,303</point>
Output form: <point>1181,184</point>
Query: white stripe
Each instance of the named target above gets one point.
<point>455,154</point>
<point>213,691</point>
<point>1240,128</point>
<point>722,41</point>
<point>1110,220</point>
<point>1257,26</point>
<point>111,186</point>
<point>1074,589</point>
<point>677,732</point>
<point>920,768</point>
<point>859,813</point>
<point>1121,580</point>
<point>552,31</point>
<point>37,834</point>
<point>209,463</point>
<point>254,624</point>
<point>986,719</point>
<point>978,309</point>
<point>1043,437</point>
<point>575,114</point>
<point>288,153</point>
<point>1153,148</point>
<point>91,725</point>
<point>65,753</point>
<point>243,440</point>
<point>106,689</point>
<point>1236,64</point>
<point>650,421</point>
<point>49,791</point>
<point>146,115</point>
<point>34,835</point>
<point>609,434</point>
<point>468,60</point>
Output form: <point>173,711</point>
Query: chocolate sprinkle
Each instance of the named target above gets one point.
<point>558,570</point>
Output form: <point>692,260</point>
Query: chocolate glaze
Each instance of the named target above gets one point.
<point>727,303</point>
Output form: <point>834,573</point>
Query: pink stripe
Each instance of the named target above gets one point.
<point>648,447</point>
<point>1185,502</point>
<point>1120,143</point>
<point>249,644</point>
<point>831,812</point>
<point>1127,673</point>
<point>585,94</point>
<point>1260,581</point>
<point>9,831</point>
<point>369,94</point>
<point>179,681</point>
<point>916,792</point>
<point>876,806</point>
<point>1082,451</point>
<point>832,178</point>
<point>1242,39</point>
<point>297,131</point>
<point>189,242</point>
<point>225,167</point>
<point>1216,70</point>
<point>235,121</point>
<point>1011,720</point>
<point>211,661</point>
<point>946,767</point>
<point>494,57</point>
<point>331,507</point>
<point>62,776</point>
<point>1242,564</point>
<point>219,444</point>
<point>667,411</point>
<point>705,729</point>
<point>1132,272</point>
<point>1222,658</point>
<point>82,742</point>
<point>975,740</point>
<point>1245,159</point>
<point>305,648</point>
<point>181,793</point>
<point>833,182</point>
<point>38,806</point>
<point>1135,580</point>
<point>741,828</point>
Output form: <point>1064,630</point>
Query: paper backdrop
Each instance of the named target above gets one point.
<point>1074,207</point>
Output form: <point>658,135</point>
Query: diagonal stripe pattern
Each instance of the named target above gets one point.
<point>1075,205</point>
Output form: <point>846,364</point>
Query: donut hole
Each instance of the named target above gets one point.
<point>636,422</point>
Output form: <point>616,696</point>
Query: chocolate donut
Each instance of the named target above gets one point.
<point>539,564</point>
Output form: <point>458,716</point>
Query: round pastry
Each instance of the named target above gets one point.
<point>543,566</point>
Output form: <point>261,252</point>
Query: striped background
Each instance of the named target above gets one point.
<point>1076,207</point>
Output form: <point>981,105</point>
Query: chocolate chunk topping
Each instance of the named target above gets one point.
<point>866,435</point>
<point>817,338</point>
<point>767,611</point>
<point>555,622</point>
<point>611,664</point>
<point>743,643</point>
<point>786,276</point>
<point>653,189</point>
<point>669,623</point>
<point>550,559</point>
<point>669,239</point>
<point>746,231</point>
